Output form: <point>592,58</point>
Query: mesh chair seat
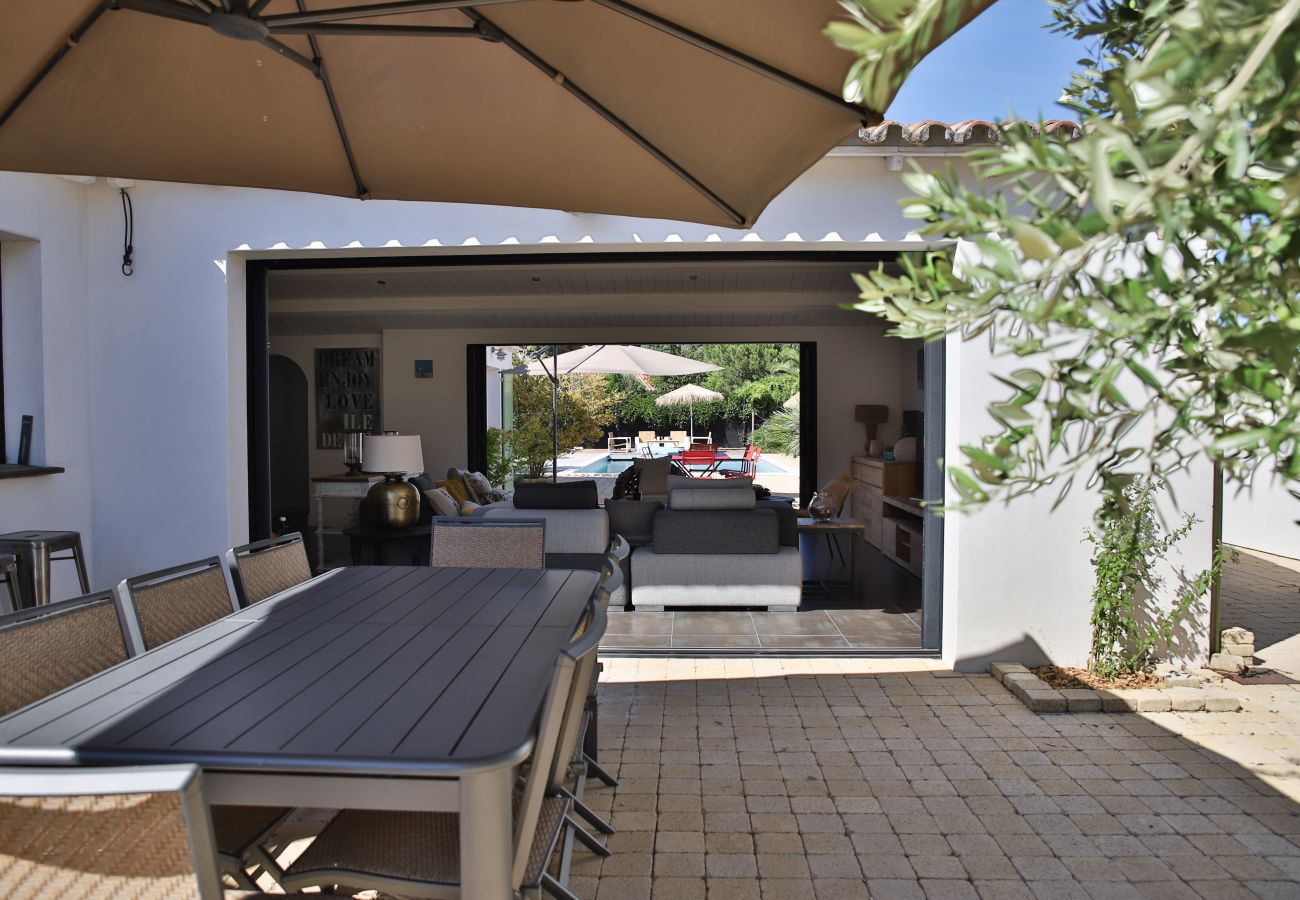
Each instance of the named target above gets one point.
<point>413,847</point>
<point>48,648</point>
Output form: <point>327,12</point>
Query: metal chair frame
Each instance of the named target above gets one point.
<point>555,725</point>
<point>127,586</point>
<point>235,554</point>
<point>183,780</point>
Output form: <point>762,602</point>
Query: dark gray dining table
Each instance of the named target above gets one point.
<point>373,687</point>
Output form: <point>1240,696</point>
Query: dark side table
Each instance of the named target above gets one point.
<point>832,529</point>
<point>391,546</point>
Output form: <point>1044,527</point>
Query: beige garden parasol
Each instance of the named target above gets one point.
<point>700,110</point>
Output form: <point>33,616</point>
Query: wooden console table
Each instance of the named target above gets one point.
<point>348,487</point>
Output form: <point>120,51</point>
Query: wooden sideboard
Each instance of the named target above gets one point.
<point>873,481</point>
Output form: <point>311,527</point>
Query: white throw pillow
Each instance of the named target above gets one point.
<point>443,503</point>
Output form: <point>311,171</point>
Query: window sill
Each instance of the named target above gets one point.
<point>13,470</point>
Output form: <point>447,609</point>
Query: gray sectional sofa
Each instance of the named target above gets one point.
<point>716,546</point>
<point>577,529</point>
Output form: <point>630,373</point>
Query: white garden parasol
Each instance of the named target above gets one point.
<point>688,395</point>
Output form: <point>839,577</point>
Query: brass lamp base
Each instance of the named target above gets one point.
<point>393,503</point>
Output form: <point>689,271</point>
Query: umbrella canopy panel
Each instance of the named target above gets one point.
<point>688,395</point>
<point>617,359</point>
<point>664,108</point>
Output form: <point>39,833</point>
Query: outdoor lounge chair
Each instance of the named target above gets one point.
<point>617,444</point>
<point>414,854</point>
<point>488,543</point>
<point>265,568</point>
<point>680,438</point>
<point>46,648</point>
<point>162,606</point>
<point>104,832</point>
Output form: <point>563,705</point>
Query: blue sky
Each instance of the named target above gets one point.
<point>1002,62</point>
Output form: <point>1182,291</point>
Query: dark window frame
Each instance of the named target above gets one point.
<point>258,355</point>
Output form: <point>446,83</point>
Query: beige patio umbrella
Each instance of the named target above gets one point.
<point>688,395</point>
<point>602,359</point>
<point>700,110</point>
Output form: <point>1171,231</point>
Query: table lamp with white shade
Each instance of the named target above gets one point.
<point>392,503</point>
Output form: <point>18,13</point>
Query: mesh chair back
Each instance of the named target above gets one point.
<point>557,730</point>
<point>47,648</point>
<point>165,605</point>
<point>141,833</point>
<point>265,568</point>
<point>488,543</point>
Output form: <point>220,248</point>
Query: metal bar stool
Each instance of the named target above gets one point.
<point>34,550</point>
<point>9,575</point>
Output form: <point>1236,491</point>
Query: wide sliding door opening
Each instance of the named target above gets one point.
<point>765,450</point>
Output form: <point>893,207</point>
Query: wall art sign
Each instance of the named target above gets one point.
<point>347,393</point>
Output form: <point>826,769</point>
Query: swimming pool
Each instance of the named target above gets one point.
<point>607,465</point>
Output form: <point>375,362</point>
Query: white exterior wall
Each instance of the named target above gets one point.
<point>149,371</point>
<point>1262,516</point>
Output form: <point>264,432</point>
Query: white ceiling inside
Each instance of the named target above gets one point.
<point>714,292</point>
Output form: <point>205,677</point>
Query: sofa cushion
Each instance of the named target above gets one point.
<point>787,520</point>
<point>686,483</point>
<point>442,502</point>
<point>774,579</point>
<point>710,498</point>
<point>562,495</point>
<point>481,487</point>
<point>716,531</point>
<point>457,489</point>
<point>654,477</point>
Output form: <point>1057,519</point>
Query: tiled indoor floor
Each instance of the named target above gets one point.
<point>885,616</point>
<point>874,629</point>
<point>833,779</point>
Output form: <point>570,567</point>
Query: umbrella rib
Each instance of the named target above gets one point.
<point>167,9</point>
<point>401,7</point>
<point>329,29</point>
<point>757,66</point>
<point>493,31</point>
<point>73,39</point>
<point>319,66</point>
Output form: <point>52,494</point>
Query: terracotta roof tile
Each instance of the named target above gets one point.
<point>933,133</point>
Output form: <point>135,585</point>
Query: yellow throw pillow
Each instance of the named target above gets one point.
<point>457,489</point>
<point>467,509</point>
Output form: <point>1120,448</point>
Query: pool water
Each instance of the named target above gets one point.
<point>606,465</point>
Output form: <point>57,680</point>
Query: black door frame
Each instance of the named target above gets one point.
<point>257,332</point>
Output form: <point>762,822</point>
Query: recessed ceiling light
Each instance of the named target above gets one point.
<point>537,278</point>
<point>695,278</point>
<point>381,281</point>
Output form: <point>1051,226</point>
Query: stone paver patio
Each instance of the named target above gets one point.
<point>831,779</point>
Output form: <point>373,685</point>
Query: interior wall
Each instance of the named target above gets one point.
<point>857,365</point>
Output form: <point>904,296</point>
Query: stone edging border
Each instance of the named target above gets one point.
<point>1040,697</point>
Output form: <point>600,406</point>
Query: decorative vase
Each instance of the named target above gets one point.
<point>819,507</point>
<point>393,503</point>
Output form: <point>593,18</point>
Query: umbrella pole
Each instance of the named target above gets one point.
<point>555,416</point>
